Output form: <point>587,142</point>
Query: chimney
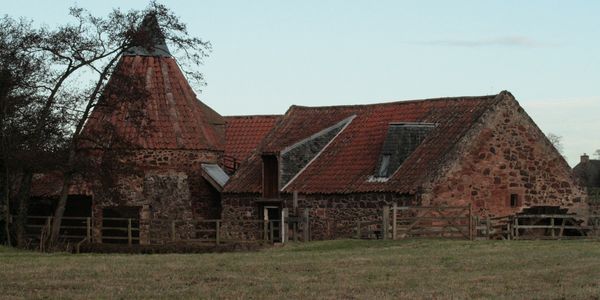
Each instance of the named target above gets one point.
<point>585,159</point>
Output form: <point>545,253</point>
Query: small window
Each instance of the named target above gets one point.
<point>514,200</point>
<point>384,167</point>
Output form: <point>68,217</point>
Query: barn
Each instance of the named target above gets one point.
<point>345,163</point>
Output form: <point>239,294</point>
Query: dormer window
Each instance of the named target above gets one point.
<point>401,140</point>
<point>270,176</point>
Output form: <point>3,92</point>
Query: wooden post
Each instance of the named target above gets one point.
<point>266,230</point>
<point>217,234</point>
<point>88,229</point>
<point>394,221</point>
<point>284,228</point>
<point>552,226</point>
<point>129,236</point>
<point>516,228</point>
<point>306,219</point>
<point>173,230</point>
<point>386,222</point>
<point>271,234</point>
<point>488,227</point>
<point>470,222</point>
<point>358,230</point>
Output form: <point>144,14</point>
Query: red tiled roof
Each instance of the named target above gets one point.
<point>175,118</point>
<point>348,162</point>
<point>244,133</point>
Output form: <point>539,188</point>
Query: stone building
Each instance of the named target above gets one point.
<point>162,155</point>
<point>587,171</point>
<point>347,162</point>
<point>157,153</point>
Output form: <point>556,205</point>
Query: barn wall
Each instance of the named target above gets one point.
<point>331,215</point>
<point>508,154</point>
<point>165,184</point>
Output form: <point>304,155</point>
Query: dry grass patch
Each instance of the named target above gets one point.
<point>331,269</point>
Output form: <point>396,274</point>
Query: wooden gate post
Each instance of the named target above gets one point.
<point>266,230</point>
<point>394,221</point>
<point>88,229</point>
<point>470,222</point>
<point>284,225</point>
<point>386,222</point>
<point>217,233</point>
<point>306,225</point>
<point>516,228</point>
<point>129,236</point>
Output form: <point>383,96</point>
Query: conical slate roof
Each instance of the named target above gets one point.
<point>149,104</point>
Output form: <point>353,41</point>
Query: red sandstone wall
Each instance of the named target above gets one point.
<point>167,184</point>
<point>331,216</point>
<point>507,155</point>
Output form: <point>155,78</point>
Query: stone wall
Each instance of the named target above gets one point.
<point>507,154</point>
<point>331,216</point>
<point>166,184</point>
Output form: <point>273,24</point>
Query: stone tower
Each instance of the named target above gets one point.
<point>154,133</point>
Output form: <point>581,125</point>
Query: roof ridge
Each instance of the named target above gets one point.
<point>253,116</point>
<point>458,98</point>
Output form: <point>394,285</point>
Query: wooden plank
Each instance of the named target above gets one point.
<point>119,238</point>
<point>218,236</point>
<point>546,216</point>
<point>470,222</point>
<point>394,221</point>
<point>129,235</point>
<point>385,222</point>
<point>431,207</point>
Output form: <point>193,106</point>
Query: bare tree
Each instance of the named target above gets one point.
<point>556,141</point>
<point>597,153</point>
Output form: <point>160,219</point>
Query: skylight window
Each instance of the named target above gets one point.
<point>401,140</point>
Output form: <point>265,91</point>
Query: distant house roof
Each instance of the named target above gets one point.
<point>244,133</point>
<point>349,161</point>
<point>588,173</point>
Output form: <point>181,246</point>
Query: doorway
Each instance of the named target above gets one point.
<point>272,215</point>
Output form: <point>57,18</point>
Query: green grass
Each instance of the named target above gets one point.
<point>331,269</point>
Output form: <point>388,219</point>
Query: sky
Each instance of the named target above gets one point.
<point>268,55</point>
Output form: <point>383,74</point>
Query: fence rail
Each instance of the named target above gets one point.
<point>80,228</point>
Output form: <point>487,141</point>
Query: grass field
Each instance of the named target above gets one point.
<point>331,269</point>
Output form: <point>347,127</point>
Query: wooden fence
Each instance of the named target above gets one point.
<point>77,229</point>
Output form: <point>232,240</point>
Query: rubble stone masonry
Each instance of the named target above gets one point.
<point>507,155</point>
<point>166,185</point>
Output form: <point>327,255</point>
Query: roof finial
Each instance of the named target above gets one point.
<point>150,39</point>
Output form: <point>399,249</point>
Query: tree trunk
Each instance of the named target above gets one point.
<point>62,201</point>
<point>59,212</point>
<point>23,200</point>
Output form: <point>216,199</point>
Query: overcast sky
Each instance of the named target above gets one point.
<point>268,55</point>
